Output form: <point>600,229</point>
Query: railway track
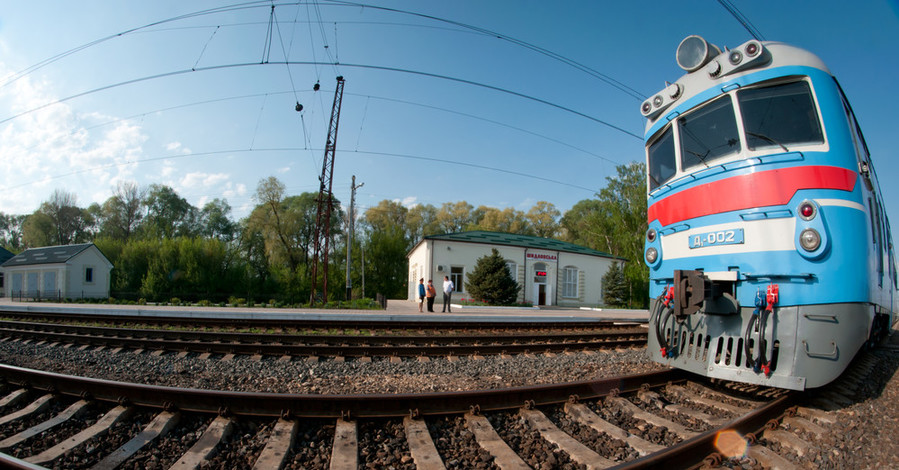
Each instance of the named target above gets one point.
<point>654,420</point>
<point>384,340</point>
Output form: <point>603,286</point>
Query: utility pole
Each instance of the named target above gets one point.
<point>349,245</point>
<point>322,235</point>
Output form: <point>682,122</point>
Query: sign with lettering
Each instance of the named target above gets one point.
<point>543,256</point>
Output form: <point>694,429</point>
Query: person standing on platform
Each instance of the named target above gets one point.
<point>421,293</point>
<point>448,288</point>
<point>432,293</point>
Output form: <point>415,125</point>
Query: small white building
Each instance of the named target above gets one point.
<point>70,271</point>
<point>550,272</point>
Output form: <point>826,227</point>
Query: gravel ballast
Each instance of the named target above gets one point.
<point>326,376</point>
<point>862,437</point>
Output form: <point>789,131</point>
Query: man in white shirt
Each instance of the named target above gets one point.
<point>448,289</point>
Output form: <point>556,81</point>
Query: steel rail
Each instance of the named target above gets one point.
<point>346,350</point>
<point>328,406</point>
<point>346,346</point>
<point>508,335</point>
<point>692,452</point>
<point>394,322</point>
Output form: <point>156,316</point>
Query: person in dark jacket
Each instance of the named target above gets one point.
<point>421,293</point>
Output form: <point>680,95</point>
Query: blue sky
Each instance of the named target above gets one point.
<point>432,112</point>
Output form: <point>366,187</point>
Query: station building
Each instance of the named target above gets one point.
<point>67,272</point>
<point>548,271</point>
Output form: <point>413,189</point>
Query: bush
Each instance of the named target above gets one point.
<point>491,281</point>
<point>615,287</point>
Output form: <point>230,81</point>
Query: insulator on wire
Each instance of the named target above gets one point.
<point>316,86</point>
<point>299,107</point>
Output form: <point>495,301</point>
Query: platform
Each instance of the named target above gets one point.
<point>397,310</point>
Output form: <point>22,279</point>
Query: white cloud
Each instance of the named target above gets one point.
<point>46,147</point>
<point>408,201</point>
<point>173,146</point>
<point>205,180</point>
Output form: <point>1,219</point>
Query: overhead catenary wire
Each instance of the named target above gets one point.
<point>294,149</point>
<point>263,3</point>
<point>206,45</point>
<point>364,66</point>
<point>742,19</point>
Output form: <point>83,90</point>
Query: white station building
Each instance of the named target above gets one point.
<point>549,272</point>
<point>70,271</point>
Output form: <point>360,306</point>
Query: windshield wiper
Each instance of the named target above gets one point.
<point>769,140</point>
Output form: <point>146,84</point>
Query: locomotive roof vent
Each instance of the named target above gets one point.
<point>694,52</point>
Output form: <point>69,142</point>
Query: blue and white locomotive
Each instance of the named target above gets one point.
<point>770,254</point>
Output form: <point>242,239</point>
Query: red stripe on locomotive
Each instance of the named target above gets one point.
<point>765,188</point>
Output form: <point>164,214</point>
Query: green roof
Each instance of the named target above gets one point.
<point>524,241</point>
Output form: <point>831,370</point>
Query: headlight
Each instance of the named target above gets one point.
<point>810,239</point>
<point>652,255</point>
<point>651,234</point>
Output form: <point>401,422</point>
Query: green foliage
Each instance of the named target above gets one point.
<point>615,223</point>
<point>614,287</point>
<point>386,265</point>
<point>491,281</point>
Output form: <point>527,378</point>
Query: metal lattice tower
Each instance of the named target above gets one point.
<point>322,237</point>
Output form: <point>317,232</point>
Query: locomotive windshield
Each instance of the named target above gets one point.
<point>775,116</point>
<point>780,115</point>
<point>708,134</point>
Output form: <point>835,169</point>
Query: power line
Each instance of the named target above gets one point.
<point>362,66</point>
<point>294,149</point>
<point>742,19</point>
<point>316,5</point>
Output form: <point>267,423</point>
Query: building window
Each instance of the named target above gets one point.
<point>88,275</point>
<point>1,280</point>
<point>456,277</point>
<point>513,270</point>
<point>569,282</point>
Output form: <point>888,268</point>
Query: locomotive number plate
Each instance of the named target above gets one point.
<point>721,237</point>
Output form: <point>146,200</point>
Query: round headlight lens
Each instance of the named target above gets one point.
<point>810,239</point>
<point>736,57</point>
<point>652,255</point>
<point>646,107</point>
<point>651,234</point>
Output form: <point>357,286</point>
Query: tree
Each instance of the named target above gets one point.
<point>579,225</point>
<point>507,220</point>
<point>491,280</point>
<point>120,215</point>
<point>455,217</point>
<point>615,223</point>
<point>386,214</point>
<point>614,287</point>
<point>385,265</point>
<point>284,230</point>
<point>544,219</point>
<point>168,214</point>
<point>37,230</point>
<point>421,221</point>
<point>215,223</point>
<point>67,220</point>
<point>11,227</point>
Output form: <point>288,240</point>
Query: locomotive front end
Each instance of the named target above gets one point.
<point>758,240</point>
